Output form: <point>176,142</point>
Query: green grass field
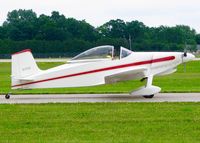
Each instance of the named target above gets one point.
<point>100,123</point>
<point>177,82</point>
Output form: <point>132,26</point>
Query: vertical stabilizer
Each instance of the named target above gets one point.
<point>23,65</point>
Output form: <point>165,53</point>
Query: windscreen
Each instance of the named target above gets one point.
<point>124,52</point>
<point>101,52</point>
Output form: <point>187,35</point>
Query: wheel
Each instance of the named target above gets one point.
<point>7,96</point>
<point>149,96</point>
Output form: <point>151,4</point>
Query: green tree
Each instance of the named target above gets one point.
<point>20,24</point>
<point>136,30</point>
<point>2,33</point>
<point>198,38</point>
<point>81,30</point>
<point>113,29</point>
<point>52,27</point>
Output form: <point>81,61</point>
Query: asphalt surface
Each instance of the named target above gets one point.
<point>93,98</point>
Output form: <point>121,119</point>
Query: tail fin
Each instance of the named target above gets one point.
<point>23,65</point>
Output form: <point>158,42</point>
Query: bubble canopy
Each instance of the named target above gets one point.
<point>100,53</point>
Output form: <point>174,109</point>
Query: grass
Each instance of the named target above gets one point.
<point>197,56</point>
<point>177,82</point>
<point>100,123</point>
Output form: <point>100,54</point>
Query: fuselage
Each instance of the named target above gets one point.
<point>94,72</point>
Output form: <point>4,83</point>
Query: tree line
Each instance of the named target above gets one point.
<point>58,35</point>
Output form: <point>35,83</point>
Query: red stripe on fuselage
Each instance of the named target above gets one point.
<point>103,69</point>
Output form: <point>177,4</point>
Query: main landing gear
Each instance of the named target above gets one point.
<point>148,90</point>
<point>7,96</point>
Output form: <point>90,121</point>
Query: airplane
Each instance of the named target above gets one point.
<point>97,66</point>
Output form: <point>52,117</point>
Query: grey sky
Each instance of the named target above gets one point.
<point>97,12</point>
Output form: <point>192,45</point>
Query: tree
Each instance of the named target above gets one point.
<point>2,33</point>
<point>81,29</point>
<point>88,32</point>
<point>187,33</point>
<point>113,29</point>
<point>198,38</point>
<point>20,24</point>
<point>136,30</point>
<point>52,27</point>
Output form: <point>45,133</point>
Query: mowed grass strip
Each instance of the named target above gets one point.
<point>180,81</point>
<point>100,122</point>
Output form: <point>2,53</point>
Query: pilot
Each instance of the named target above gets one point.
<point>110,55</point>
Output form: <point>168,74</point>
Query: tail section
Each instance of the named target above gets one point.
<point>23,66</point>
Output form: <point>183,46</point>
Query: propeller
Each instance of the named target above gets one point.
<point>185,54</point>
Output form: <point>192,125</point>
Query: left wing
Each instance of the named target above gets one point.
<point>126,75</point>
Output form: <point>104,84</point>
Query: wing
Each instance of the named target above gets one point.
<point>126,75</point>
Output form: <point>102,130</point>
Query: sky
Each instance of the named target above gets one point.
<point>152,13</point>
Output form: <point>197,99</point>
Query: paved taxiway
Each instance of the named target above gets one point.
<point>92,98</point>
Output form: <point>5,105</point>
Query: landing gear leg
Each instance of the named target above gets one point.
<point>148,84</point>
<point>149,81</point>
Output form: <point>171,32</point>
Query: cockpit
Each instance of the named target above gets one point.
<point>101,53</point>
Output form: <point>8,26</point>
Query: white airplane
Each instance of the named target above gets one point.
<point>97,66</point>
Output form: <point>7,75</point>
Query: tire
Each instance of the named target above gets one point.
<point>149,96</point>
<point>7,96</point>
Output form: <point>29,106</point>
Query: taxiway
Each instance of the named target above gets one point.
<point>93,98</point>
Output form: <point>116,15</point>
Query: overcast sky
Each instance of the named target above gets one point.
<point>97,12</point>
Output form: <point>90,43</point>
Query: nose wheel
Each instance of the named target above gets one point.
<point>7,96</point>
